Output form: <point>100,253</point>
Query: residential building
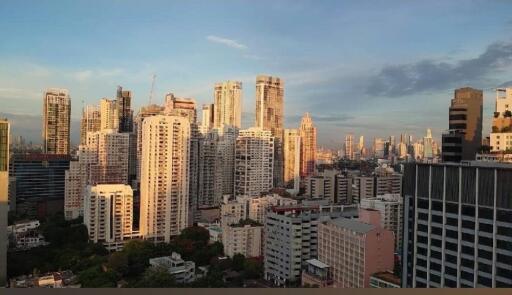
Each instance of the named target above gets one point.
<point>349,147</point>
<point>501,135</point>
<point>258,206</point>
<point>464,136</point>
<point>308,146</point>
<point>228,104</point>
<point>390,207</point>
<point>355,249</point>
<point>378,148</point>
<point>242,238</point>
<point>290,238</point>
<point>457,221</point>
<point>56,121</point>
<point>124,110</point>
<point>270,116</point>
<point>254,162</point>
<point>108,214</point>
<point>385,279</point>
<point>292,149</point>
<point>330,184</point>
<point>109,116</point>
<point>164,189</point>
<point>182,271</point>
<point>90,122</point>
<point>207,115</point>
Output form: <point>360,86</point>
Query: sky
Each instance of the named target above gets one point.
<point>372,68</point>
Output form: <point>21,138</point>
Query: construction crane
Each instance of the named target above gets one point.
<point>152,88</point>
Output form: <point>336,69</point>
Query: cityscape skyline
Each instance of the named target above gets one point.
<point>318,78</point>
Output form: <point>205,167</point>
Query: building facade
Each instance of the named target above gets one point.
<point>308,146</point>
<point>291,149</point>
<point>228,104</point>
<point>4,197</point>
<point>56,121</point>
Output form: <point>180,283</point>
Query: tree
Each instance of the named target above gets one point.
<point>238,262</point>
<point>253,268</point>
<point>156,278</point>
<point>196,234</point>
<point>94,277</point>
<point>119,263</point>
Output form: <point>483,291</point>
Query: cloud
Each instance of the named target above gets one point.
<point>228,42</point>
<point>84,75</point>
<point>432,75</point>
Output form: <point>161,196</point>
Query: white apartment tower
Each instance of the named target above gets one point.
<point>254,162</point>
<point>228,104</point>
<point>164,176</point>
<point>108,214</point>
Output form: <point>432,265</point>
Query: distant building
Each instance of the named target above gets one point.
<point>349,147</point>
<point>124,110</point>
<point>308,146</point>
<point>331,185</point>
<point>4,196</point>
<point>182,271</point>
<point>90,122</point>
<point>228,104</point>
<point>109,116</point>
<point>464,137</point>
<point>56,121</point>
<point>355,249</point>
<point>291,148</point>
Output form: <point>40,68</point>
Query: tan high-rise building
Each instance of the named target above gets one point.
<point>349,146</point>
<point>207,115</point>
<point>56,120</point>
<point>270,116</point>
<point>464,138</point>
<point>291,148</point>
<point>108,214</point>
<point>228,104</point>
<point>4,197</point>
<point>90,122</point>
<point>254,162</point>
<point>164,190</point>
<point>109,117</point>
<point>308,146</point>
<point>181,106</point>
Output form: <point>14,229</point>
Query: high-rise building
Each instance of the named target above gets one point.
<point>291,148</point>
<point>40,183</point>
<point>103,159</point>
<point>378,148</point>
<point>109,117</point>
<point>90,122</point>
<point>181,106</point>
<point>290,238</point>
<point>457,225</point>
<point>464,137</point>
<point>501,135</point>
<point>124,110</point>
<point>331,185</point>
<point>270,116</point>
<point>254,162</point>
<point>164,185</point>
<point>4,197</point>
<point>228,104</point>
<point>108,214</point>
<point>349,146</point>
<point>428,148</point>
<point>355,249</point>
<point>390,207</point>
<point>226,152</point>
<point>308,146</point>
<point>56,121</point>
<point>242,239</point>
<point>207,115</point>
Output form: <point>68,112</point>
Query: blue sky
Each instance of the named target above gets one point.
<point>373,68</point>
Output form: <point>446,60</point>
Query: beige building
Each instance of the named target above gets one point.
<point>108,214</point>
<point>242,239</point>
<point>56,121</point>
<point>90,122</point>
<point>308,146</point>
<point>258,206</point>
<point>254,162</point>
<point>291,148</point>
<point>180,106</point>
<point>207,115</point>
<point>109,116</point>
<point>270,116</point>
<point>228,104</point>
<point>4,197</point>
<point>349,147</point>
<point>164,177</point>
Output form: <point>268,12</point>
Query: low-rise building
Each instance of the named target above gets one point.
<point>62,279</point>
<point>316,274</point>
<point>242,238</point>
<point>182,271</point>
<point>384,279</point>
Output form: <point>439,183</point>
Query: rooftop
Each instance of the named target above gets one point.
<point>317,263</point>
<point>388,277</point>
<point>353,224</point>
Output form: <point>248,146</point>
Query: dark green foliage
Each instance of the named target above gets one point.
<point>95,277</point>
<point>238,262</point>
<point>155,278</point>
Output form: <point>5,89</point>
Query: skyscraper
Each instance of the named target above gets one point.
<point>124,111</point>
<point>90,122</point>
<point>228,104</point>
<point>109,117</point>
<point>291,148</point>
<point>164,176</point>
<point>254,162</point>
<point>4,197</point>
<point>428,149</point>
<point>270,116</point>
<point>308,146</point>
<point>349,146</point>
<point>457,225</point>
<point>207,115</point>
<point>56,120</point>
<point>464,137</point>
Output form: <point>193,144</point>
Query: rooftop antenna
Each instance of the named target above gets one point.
<point>152,88</point>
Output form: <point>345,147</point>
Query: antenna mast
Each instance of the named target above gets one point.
<point>152,88</point>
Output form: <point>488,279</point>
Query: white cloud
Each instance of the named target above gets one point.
<point>228,42</point>
<point>82,76</point>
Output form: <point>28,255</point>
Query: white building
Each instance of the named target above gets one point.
<point>108,214</point>
<point>254,162</point>
<point>258,206</point>
<point>228,104</point>
<point>242,239</point>
<point>164,177</point>
<point>109,118</point>
<point>390,207</point>
<point>182,271</point>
